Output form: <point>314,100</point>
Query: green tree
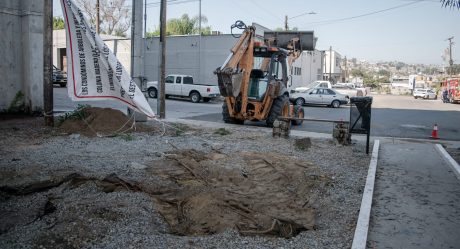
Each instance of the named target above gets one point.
<point>184,26</point>
<point>358,73</point>
<point>384,72</point>
<point>454,70</point>
<point>400,65</point>
<point>115,15</point>
<point>451,3</point>
<point>58,22</point>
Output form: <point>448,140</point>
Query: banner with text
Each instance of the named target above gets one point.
<point>93,71</point>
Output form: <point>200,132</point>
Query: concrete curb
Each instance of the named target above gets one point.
<point>297,133</point>
<point>362,226</point>
<point>453,164</point>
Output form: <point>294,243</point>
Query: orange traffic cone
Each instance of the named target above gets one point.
<point>434,133</point>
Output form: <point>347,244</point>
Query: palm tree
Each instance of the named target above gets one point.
<point>184,26</point>
<point>451,3</point>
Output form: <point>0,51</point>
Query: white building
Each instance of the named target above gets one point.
<point>307,68</point>
<point>331,68</point>
<point>120,46</point>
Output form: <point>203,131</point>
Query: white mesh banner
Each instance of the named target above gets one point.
<point>93,71</point>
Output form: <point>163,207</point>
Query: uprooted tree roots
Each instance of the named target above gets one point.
<point>255,193</point>
<point>265,194</point>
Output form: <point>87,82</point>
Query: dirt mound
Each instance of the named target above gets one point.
<point>90,121</point>
<point>267,194</point>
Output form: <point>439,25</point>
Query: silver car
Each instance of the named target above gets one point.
<point>319,96</point>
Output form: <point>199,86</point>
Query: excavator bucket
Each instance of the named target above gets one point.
<point>292,40</point>
<point>229,82</point>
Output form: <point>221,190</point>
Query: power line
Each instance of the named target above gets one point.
<point>266,11</point>
<point>303,14</point>
<point>362,15</point>
<point>170,2</point>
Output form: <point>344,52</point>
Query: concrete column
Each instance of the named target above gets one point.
<point>10,52</point>
<point>32,54</point>
<point>137,45</point>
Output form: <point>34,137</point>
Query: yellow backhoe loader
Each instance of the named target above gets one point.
<point>254,77</point>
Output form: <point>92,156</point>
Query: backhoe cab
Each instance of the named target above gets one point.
<point>254,77</point>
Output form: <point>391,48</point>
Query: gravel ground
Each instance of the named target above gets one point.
<point>454,153</point>
<point>73,214</point>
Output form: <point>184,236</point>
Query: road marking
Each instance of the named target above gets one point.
<point>453,164</point>
<point>362,226</point>
<point>414,126</point>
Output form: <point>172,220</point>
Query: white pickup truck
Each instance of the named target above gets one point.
<point>346,90</point>
<point>182,86</point>
<point>314,84</point>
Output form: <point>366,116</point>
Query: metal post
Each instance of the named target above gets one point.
<point>48,62</point>
<point>161,95</point>
<point>286,27</point>
<point>451,62</point>
<point>98,20</point>
<point>136,52</point>
<point>199,28</point>
<point>133,30</point>
<point>145,20</point>
<point>330,64</point>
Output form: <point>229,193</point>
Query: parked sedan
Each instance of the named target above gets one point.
<point>59,77</point>
<point>319,96</point>
<point>425,93</point>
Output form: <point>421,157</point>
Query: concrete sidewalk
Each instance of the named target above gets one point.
<point>416,201</point>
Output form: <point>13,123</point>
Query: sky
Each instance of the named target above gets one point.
<point>411,31</point>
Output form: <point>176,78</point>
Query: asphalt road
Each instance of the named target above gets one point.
<point>392,116</point>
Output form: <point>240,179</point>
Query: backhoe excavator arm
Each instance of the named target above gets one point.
<point>232,73</point>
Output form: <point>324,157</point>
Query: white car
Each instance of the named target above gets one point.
<point>319,96</point>
<point>425,93</point>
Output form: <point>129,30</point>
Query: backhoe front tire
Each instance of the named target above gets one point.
<point>280,107</point>
<point>226,115</point>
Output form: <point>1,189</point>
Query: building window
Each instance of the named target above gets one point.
<point>297,71</point>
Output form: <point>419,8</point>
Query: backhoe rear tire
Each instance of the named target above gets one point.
<point>280,107</point>
<point>226,115</point>
<point>298,113</point>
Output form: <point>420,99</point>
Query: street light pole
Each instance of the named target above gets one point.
<point>451,62</point>
<point>286,26</point>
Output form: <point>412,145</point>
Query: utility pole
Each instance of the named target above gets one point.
<point>330,64</point>
<point>286,27</point>
<point>145,20</point>
<point>48,62</point>
<point>346,71</point>
<point>137,63</point>
<point>161,95</point>
<point>98,20</point>
<point>451,62</point>
<point>199,44</point>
